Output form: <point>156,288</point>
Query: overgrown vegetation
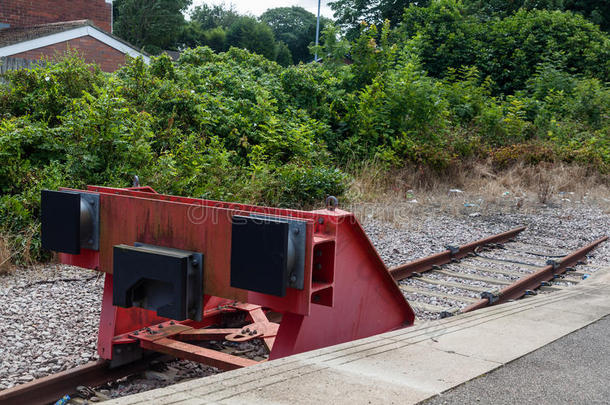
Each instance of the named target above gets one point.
<point>442,87</point>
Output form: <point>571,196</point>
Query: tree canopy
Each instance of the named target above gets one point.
<point>350,13</point>
<point>596,11</point>
<point>153,25</point>
<point>217,15</point>
<point>248,33</point>
<point>294,26</point>
<point>508,50</point>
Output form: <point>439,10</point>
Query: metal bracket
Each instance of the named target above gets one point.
<point>90,208</point>
<point>454,250</point>
<point>158,278</point>
<point>125,354</point>
<point>530,292</point>
<point>492,296</point>
<point>553,263</point>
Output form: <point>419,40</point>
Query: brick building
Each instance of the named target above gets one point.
<point>34,30</point>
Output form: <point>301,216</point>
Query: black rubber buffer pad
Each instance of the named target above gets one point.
<point>259,255</point>
<point>60,221</point>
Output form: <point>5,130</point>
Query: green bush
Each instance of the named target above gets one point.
<point>235,126</point>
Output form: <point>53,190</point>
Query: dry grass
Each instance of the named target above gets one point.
<point>17,250</point>
<point>404,194</point>
<point>5,255</point>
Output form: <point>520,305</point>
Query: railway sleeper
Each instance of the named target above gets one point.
<point>421,291</point>
<point>511,273</point>
<point>516,259</point>
<point>486,259</point>
<point>462,286</point>
<point>422,306</point>
<point>531,252</point>
<point>553,249</point>
<point>473,277</point>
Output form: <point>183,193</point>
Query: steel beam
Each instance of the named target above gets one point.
<point>191,352</point>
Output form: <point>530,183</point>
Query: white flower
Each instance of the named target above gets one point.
<point>47,78</point>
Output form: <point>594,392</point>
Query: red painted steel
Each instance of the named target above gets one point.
<point>348,292</point>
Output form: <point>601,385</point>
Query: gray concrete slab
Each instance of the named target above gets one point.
<point>412,364</point>
<point>572,370</point>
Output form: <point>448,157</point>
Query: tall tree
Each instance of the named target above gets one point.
<point>218,15</point>
<point>350,13</point>
<point>597,11</point>
<point>252,35</point>
<point>153,25</point>
<point>294,26</point>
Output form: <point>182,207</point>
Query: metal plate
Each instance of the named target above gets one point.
<point>60,221</point>
<point>259,255</point>
<point>297,231</point>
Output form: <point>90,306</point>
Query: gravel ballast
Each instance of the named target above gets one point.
<point>50,313</point>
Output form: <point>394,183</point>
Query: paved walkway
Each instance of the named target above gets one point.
<point>572,370</point>
<point>417,363</point>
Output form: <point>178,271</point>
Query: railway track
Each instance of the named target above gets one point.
<point>487,272</point>
<point>461,279</point>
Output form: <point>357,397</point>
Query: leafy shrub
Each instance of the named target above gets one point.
<point>402,104</point>
<point>237,127</point>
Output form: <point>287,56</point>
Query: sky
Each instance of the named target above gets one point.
<point>257,7</point>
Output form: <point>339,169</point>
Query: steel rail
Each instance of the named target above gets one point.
<point>49,389</point>
<point>534,280</point>
<point>428,263</point>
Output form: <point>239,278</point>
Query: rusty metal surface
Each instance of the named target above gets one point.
<point>191,352</point>
<point>49,389</point>
<point>427,263</point>
<point>534,280</point>
<point>206,334</point>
